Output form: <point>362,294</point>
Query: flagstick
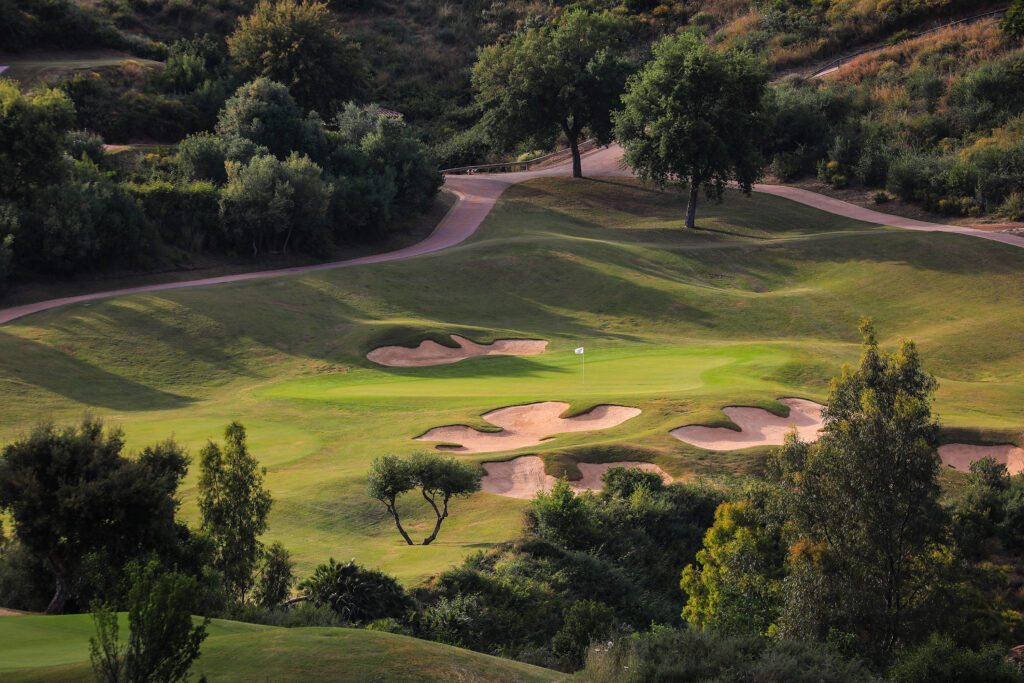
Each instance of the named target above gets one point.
<point>584,359</point>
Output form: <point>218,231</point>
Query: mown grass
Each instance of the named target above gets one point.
<point>246,652</point>
<point>761,302</point>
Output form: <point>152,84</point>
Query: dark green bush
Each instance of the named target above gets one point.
<point>185,213</point>
<point>356,594</point>
<point>941,661</point>
<point>665,654</point>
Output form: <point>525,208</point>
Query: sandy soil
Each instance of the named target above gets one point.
<point>523,477</point>
<point>429,352</point>
<point>526,425</point>
<point>9,613</point>
<point>960,456</point>
<point>758,427</point>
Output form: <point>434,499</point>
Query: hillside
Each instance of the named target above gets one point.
<point>677,323</point>
<point>36,648</point>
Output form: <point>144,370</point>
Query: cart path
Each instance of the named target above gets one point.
<point>477,195</point>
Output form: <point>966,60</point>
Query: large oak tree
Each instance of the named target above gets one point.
<point>694,116</point>
<point>567,76</point>
<point>71,492</point>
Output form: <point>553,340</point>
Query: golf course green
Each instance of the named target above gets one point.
<point>761,301</point>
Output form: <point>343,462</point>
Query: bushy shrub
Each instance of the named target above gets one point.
<point>264,112</point>
<point>941,661</point>
<point>82,142</point>
<point>1013,207</point>
<point>84,224</point>
<point>185,213</point>
<point>583,623</point>
<point>665,654</point>
<point>355,594</point>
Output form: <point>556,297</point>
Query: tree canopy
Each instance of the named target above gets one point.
<point>565,77</point>
<point>234,507</point>
<point>32,130</point>
<point>439,480</point>
<point>72,492</point>
<point>693,115</point>
<point>300,45</point>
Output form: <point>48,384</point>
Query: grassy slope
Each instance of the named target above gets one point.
<point>236,651</point>
<point>761,302</point>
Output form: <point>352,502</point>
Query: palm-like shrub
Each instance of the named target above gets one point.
<point>356,594</point>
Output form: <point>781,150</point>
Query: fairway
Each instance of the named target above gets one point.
<point>241,652</point>
<point>761,302</point>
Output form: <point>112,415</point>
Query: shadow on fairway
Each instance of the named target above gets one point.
<point>22,360</point>
<point>476,367</point>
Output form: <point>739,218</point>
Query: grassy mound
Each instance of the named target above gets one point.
<point>236,651</point>
<point>762,301</point>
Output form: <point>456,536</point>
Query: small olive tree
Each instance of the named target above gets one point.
<point>439,480</point>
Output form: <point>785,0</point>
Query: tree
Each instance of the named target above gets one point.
<point>863,504</point>
<point>234,506</point>
<point>276,577</point>
<point>32,131</point>
<point>354,593</point>
<point>566,76</point>
<point>735,588</point>
<point>390,477</point>
<point>694,116</point>
<point>299,44</point>
<point>264,112</point>
<point>72,492</point>
<point>441,479</point>
<point>271,205</point>
<point>163,641</point>
<point>1013,23</point>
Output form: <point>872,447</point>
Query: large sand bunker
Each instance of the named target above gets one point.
<point>961,455</point>
<point>527,425</point>
<point>524,476</point>
<point>429,352</point>
<point>758,427</point>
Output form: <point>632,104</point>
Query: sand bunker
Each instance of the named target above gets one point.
<point>524,476</point>
<point>961,455</point>
<point>431,353</point>
<point>757,426</point>
<point>527,425</point>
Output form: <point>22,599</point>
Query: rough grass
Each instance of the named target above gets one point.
<point>245,652</point>
<point>761,301</point>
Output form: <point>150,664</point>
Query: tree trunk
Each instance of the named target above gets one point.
<point>394,513</point>
<point>691,206</point>
<point>440,518</point>
<point>437,527</point>
<point>574,145</point>
<point>63,591</point>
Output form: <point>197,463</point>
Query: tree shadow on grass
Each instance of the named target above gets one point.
<point>23,360</point>
<point>475,368</point>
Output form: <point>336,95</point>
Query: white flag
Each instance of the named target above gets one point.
<point>579,350</point>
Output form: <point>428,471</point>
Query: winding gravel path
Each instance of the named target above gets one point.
<point>477,195</point>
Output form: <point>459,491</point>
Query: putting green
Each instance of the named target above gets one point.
<point>761,302</point>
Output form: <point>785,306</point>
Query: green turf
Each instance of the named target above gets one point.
<point>761,302</point>
<point>236,651</point>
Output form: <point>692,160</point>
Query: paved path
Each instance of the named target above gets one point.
<point>477,195</point>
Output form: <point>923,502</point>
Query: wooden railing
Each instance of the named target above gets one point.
<point>835,64</point>
<point>525,165</point>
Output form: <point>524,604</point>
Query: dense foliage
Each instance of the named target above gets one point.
<point>693,116</point>
<point>565,77</point>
